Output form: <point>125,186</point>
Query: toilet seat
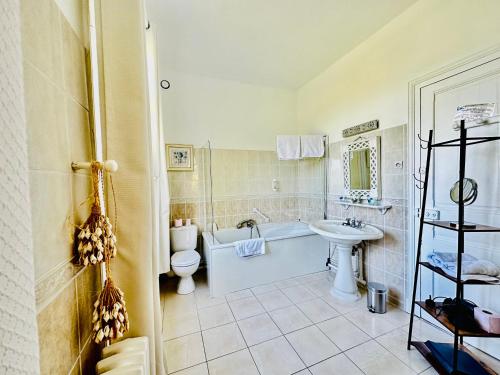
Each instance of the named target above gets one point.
<point>185,258</point>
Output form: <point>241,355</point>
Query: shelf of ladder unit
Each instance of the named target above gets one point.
<point>447,225</point>
<point>442,318</point>
<point>427,354</point>
<point>469,141</point>
<point>454,279</point>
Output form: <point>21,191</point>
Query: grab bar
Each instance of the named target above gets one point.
<point>267,219</point>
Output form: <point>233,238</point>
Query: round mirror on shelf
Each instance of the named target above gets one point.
<point>469,188</point>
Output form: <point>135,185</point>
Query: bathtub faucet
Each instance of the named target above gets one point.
<point>267,219</point>
<point>249,223</point>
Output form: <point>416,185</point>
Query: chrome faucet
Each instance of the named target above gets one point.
<point>353,223</point>
<point>249,223</point>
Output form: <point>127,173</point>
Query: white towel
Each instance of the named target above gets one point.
<point>250,248</point>
<point>288,147</point>
<point>470,264</point>
<point>312,146</point>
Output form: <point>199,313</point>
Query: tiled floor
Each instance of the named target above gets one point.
<point>290,327</point>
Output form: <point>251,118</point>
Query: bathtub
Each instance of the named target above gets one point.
<point>292,249</point>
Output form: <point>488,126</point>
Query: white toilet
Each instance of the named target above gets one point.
<point>186,259</point>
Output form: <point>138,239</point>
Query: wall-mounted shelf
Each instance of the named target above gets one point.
<point>383,208</point>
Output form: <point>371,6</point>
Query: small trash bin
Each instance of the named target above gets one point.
<point>377,298</point>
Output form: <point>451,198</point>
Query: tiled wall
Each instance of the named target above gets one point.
<point>242,180</point>
<point>385,259</point>
<point>57,114</point>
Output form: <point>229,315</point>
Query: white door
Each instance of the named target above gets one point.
<point>436,102</point>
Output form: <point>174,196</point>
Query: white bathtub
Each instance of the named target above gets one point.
<point>292,249</point>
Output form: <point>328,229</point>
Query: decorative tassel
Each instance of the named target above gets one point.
<point>110,318</point>
<point>96,240</point>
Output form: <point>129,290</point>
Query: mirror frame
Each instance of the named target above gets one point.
<point>373,144</point>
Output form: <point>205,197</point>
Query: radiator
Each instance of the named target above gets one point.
<point>126,357</point>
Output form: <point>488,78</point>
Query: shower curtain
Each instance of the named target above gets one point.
<point>129,141</point>
<point>161,200</point>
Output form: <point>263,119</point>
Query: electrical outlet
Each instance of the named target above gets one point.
<point>430,214</point>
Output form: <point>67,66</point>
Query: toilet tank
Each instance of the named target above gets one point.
<point>184,238</point>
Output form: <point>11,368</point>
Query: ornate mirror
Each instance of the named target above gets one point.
<point>361,160</point>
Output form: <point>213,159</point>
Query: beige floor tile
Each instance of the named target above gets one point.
<point>276,357</point>
<point>395,342</point>
<point>317,310</point>
<point>215,316</point>
<point>343,333</point>
<point>245,293</point>
<point>373,324</point>
<point>345,307</point>
<point>372,358</point>
<point>298,294</point>
<point>312,345</point>
<point>246,307</point>
<point>258,329</point>
<point>180,325</point>
<point>222,340</point>
<point>203,299</point>
<point>282,284</point>
<point>289,319</point>
<point>240,363</point>
<point>200,369</point>
<point>261,289</point>
<point>396,316</point>
<point>424,331</point>
<point>177,305</point>
<point>184,352</point>
<point>338,365</point>
<point>274,300</point>
<point>430,371</point>
<point>320,288</point>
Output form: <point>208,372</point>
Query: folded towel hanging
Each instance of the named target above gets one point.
<point>288,147</point>
<point>312,146</point>
<point>250,248</point>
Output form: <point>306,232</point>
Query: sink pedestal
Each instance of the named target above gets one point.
<point>345,287</point>
<point>344,237</point>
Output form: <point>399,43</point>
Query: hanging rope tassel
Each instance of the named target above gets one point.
<point>110,318</point>
<point>96,240</point>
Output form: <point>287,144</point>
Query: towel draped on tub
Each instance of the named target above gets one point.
<point>250,248</point>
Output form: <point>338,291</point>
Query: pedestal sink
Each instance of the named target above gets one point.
<point>344,237</point>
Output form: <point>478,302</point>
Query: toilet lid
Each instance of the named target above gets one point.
<point>185,258</point>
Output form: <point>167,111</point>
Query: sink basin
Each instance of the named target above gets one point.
<point>343,238</point>
<point>334,231</point>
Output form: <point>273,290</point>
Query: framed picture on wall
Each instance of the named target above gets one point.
<point>179,157</point>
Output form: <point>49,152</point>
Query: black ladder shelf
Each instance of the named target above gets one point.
<point>435,312</point>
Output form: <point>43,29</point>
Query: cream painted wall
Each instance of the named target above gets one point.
<point>231,114</point>
<point>371,82</point>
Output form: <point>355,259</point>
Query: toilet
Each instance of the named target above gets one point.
<point>186,259</point>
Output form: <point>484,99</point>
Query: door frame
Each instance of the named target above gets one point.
<point>414,95</point>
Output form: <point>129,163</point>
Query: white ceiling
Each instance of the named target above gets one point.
<point>280,43</point>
